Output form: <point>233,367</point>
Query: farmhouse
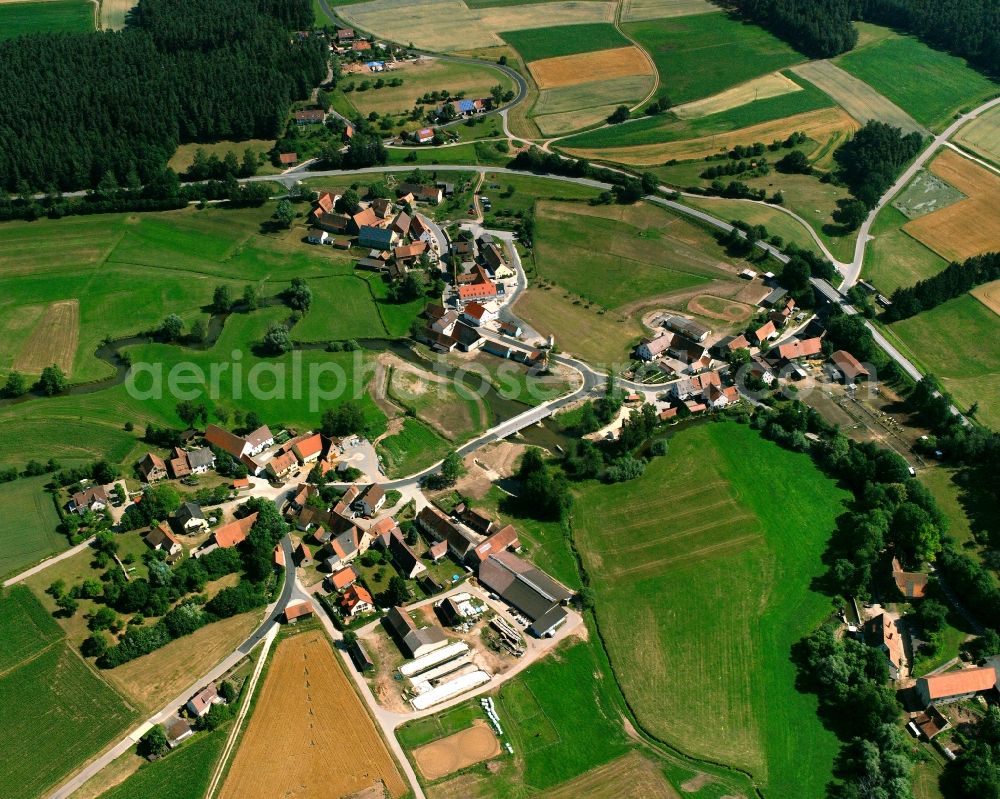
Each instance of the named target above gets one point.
<point>654,348</point>
<point>333,223</point>
<point>379,238</point>
<point>229,535</point>
<point>177,730</point>
<point>503,539</point>
<point>152,467</point>
<point>881,632</point>
<point>912,585</point>
<point>94,499</point>
<point>424,135</point>
<point>765,332</point>
<point>200,460</point>
<point>477,291</point>
<point>381,530</point>
<point>686,327</point>
<point>303,555</point>
<point>344,547</point>
<point>311,116</point>
<point>408,253</point>
<point>179,465</point>
<point>804,348</point>
<point>477,314</point>
<point>401,224</point>
<point>412,640</point>
<point>849,368</point>
<point>298,610</point>
<point>419,231</point>
<point>526,588</point>
<point>317,236</point>
<point>382,206</point>
<point>189,518</point>
<point>730,344</point>
<point>431,195</point>
<point>307,448</point>
<point>372,500</point>
<point>344,578</point>
<point>161,538</point>
<point>199,704</point>
<point>461,542</point>
<point>282,464</point>
<point>252,444</point>
<point>953,686</point>
<point>406,560</point>
<point>356,600</point>
<point>760,369</point>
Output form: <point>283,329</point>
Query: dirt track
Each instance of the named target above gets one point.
<point>447,755</point>
<point>311,732</point>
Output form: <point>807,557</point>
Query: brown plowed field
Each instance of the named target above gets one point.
<point>53,341</point>
<point>569,70</point>
<point>310,737</point>
<point>968,227</point>
<point>447,755</point>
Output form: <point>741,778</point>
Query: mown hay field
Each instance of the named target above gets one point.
<point>57,711</point>
<point>306,705</point>
<point>47,16</point>
<point>614,256</point>
<point>701,55</point>
<point>894,257</point>
<point>929,85</point>
<point>772,85</point>
<point>982,136</point>
<point>855,96</point>
<point>820,125</point>
<point>569,70</point>
<point>114,13</point>
<point>633,776</point>
<point>639,10</point>
<point>570,108</point>
<point>28,526</point>
<point>53,339</point>
<point>958,343</point>
<point>968,227</point>
<point>707,583</point>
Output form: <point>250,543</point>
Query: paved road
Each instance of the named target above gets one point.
<point>853,272</point>
<point>274,611</point>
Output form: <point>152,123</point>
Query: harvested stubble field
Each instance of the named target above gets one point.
<point>448,755</point>
<point>639,10</point>
<point>761,88</point>
<point>569,108</point>
<point>819,125</point>
<point>53,340</point>
<point>115,12</point>
<point>569,70</point>
<point>966,228</point>
<point>306,705</point>
<point>982,136</point>
<point>989,295</point>
<point>715,596</point>
<point>855,96</point>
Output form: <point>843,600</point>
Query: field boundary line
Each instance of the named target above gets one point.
<point>962,152</point>
<point>238,724</point>
<point>33,657</point>
<point>649,59</point>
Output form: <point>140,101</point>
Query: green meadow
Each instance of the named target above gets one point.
<point>931,86</point>
<point>701,55</point>
<point>702,570</point>
<point>57,712</point>
<point>49,16</point>
<point>537,43</point>
<point>28,525</point>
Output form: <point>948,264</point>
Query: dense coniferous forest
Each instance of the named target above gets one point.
<point>74,107</point>
<point>870,162</point>
<point>822,28</point>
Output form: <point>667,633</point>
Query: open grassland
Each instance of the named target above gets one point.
<point>614,256</point>
<point>639,10</point>
<point>569,70</point>
<point>701,55</point>
<point>855,96</point>
<point>958,343</point>
<point>776,222</point>
<point>47,16</point>
<point>170,669</point>
<point>414,448</point>
<point>651,142</point>
<point>569,108</point>
<point>57,712</point>
<point>421,76</point>
<point>183,774</point>
<point>53,339</point>
<point>28,524</point>
<point>761,88</point>
<point>702,578</point>
<point>183,157</point>
<point>929,85</point>
<point>896,259</point>
<point>306,704</point>
<point>535,44</point>
<point>343,308</point>
<point>968,227</point>
<point>451,25</point>
<point>982,136</point>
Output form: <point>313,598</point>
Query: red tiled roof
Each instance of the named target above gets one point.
<point>343,578</point>
<point>472,291</point>
<point>325,201</point>
<point>801,349</point>
<point>229,535</point>
<point>224,440</point>
<point>354,595</point>
<point>956,683</point>
<point>310,446</point>
<point>287,158</point>
<point>298,610</point>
